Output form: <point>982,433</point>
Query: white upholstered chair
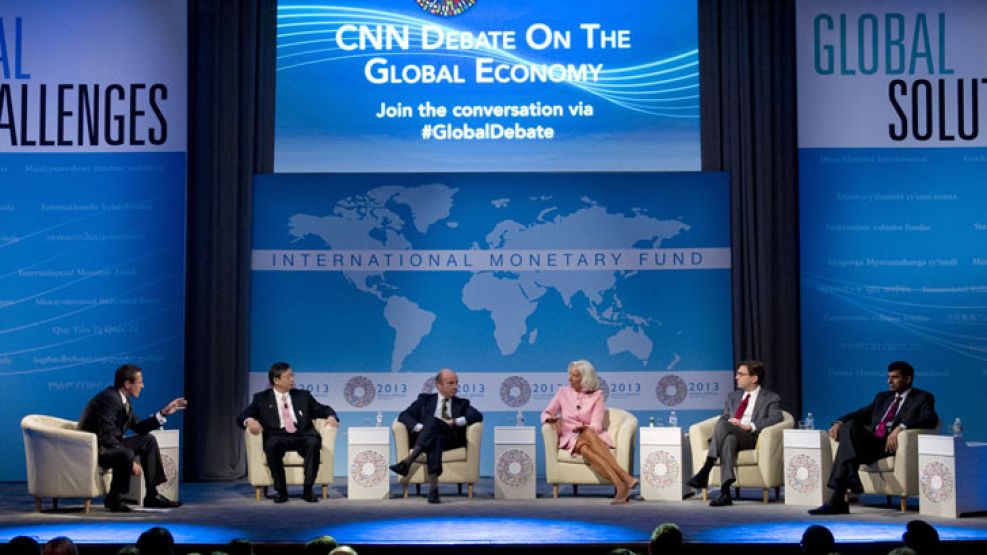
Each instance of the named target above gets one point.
<point>897,475</point>
<point>760,467</point>
<point>259,473</point>
<point>459,466</point>
<point>563,468</point>
<point>61,461</point>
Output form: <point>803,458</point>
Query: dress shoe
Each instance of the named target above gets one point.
<point>433,495</point>
<point>698,482</point>
<point>281,498</point>
<point>831,509</point>
<point>116,505</point>
<point>723,500</point>
<point>855,486</point>
<point>307,495</point>
<point>160,502</point>
<point>401,468</point>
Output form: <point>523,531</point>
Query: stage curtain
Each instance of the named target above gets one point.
<point>747,82</point>
<point>231,119</point>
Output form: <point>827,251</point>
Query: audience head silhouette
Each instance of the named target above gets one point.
<point>321,545</point>
<point>23,545</point>
<point>156,541</point>
<point>666,538</point>
<point>818,540</point>
<point>60,546</point>
<point>921,536</point>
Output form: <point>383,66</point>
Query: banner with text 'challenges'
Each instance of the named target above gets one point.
<point>480,85</point>
<point>92,206</point>
<point>367,284</point>
<point>892,169</point>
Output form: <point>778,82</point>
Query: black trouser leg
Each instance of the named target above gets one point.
<point>275,446</point>
<point>857,445</point>
<point>435,437</point>
<point>146,447</point>
<point>309,450</point>
<point>121,461</point>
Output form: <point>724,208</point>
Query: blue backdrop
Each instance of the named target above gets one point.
<point>355,275</point>
<point>92,206</point>
<point>892,167</point>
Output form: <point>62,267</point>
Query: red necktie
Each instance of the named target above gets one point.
<point>882,428</point>
<point>289,424</point>
<point>742,407</point>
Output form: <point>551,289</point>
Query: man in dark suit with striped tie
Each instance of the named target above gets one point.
<point>109,415</point>
<point>870,433</point>
<point>436,422</point>
<point>285,416</point>
<point>748,409</point>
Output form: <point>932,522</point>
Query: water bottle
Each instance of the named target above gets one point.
<point>810,422</point>
<point>957,428</point>
<point>651,421</point>
<point>380,419</point>
<point>519,418</point>
<point>673,419</point>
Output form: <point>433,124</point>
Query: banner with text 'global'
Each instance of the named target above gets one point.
<point>892,167</point>
<point>503,277</point>
<point>480,85</point>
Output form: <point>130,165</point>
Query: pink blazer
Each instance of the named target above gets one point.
<point>578,409</point>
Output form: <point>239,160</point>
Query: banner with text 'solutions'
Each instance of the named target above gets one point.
<point>892,167</point>
<point>92,206</point>
<point>367,284</point>
<point>487,85</point>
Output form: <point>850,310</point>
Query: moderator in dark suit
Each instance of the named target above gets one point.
<point>277,439</point>
<point>861,441</point>
<point>435,435</point>
<point>109,416</point>
<point>733,434</point>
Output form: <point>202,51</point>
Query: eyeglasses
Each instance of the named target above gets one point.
<point>743,374</point>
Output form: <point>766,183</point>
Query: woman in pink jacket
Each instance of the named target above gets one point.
<point>577,413</point>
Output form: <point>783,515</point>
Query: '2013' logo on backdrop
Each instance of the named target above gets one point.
<point>446,8</point>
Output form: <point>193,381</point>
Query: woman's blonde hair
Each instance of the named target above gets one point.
<point>590,381</point>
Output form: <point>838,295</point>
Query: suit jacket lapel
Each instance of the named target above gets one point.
<point>433,401</point>
<point>271,406</point>
<point>296,406</point>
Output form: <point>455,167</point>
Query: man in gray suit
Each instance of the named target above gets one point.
<point>749,409</point>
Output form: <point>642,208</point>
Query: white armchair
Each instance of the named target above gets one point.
<point>897,475</point>
<point>259,473</point>
<point>563,468</point>
<point>760,467</point>
<point>61,461</point>
<point>459,466</point>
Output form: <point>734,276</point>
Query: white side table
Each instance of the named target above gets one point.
<point>951,476</point>
<point>808,461</point>
<point>514,462</point>
<point>664,464</point>
<point>168,447</point>
<point>367,474</point>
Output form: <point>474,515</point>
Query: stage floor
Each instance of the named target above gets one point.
<point>214,513</point>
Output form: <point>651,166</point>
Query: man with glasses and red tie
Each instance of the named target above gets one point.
<point>748,409</point>
<point>285,415</point>
<point>436,422</point>
<point>871,433</point>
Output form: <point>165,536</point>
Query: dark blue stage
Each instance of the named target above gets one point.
<point>215,513</point>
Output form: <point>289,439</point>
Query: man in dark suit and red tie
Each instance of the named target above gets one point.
<point>285,416</point>
<point>870,433</point>
<point>109,415</point>
<point>748,409</point>
<point>436,422</point>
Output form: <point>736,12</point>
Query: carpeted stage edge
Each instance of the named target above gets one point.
<point>215,513</point>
